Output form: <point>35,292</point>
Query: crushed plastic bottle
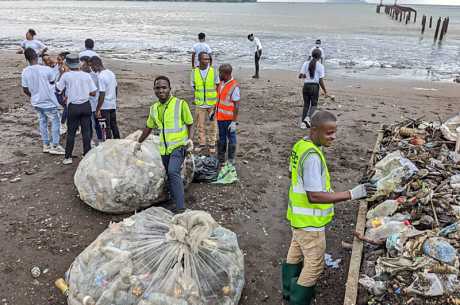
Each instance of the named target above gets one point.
<point>378,221</point>
<point>386,208</point>
<point>381,233</point>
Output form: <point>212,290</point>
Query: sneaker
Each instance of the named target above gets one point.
<point>307,121</point>
<point>46,148</point>
<point>178,210</point>
<point>67,161</point>
<point>63,129</point>
<point>57,150</point>
<point>303,125</point>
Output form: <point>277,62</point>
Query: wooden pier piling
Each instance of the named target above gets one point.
<point>423,24</point>
<point>437,29</point>
<point>431,22</point>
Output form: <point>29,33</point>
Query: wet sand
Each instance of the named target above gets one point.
<point>43,222</point>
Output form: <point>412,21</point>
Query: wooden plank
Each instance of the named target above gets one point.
<point>351,292</point>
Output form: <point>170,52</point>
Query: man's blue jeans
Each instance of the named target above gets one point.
<point>225,134</point>
<point>44,116</point>
<point>173,165</point>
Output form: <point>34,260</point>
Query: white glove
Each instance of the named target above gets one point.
<point>137,147</point>
<point>232,127</point>
<point>362,191</point>
<point>189,145</point>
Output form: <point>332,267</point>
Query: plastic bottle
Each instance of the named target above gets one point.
<point>381,233</point>
<point>378,221</point>
<point>386,208</point>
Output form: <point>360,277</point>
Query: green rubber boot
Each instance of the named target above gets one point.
<point>301,295</point>
<point>289,271</point>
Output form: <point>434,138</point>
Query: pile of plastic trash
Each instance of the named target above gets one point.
<point>413,222</point>
<point>157,258</point>
<point>112,179</point>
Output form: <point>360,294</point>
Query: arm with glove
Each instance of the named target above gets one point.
<point>358,192</point>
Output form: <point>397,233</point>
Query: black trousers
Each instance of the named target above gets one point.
<point>78,115</point>
<point>257,56</point>
<point>310,99</point>
<point>110,116</point>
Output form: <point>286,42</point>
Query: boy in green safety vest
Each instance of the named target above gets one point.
<point>310,209</point>
<point>172,117</point>
<point>204,82</point>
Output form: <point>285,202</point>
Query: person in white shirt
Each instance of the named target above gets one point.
<point>78,87</point>
<point>257,52</point>
<point>108,92</point>
<point>95,126</point>
<point>312,72</point>
<point>37,84</point>
<point>89,52</point>
<point>317,46</point>
<point>35,44</point>
<point>200,46</point>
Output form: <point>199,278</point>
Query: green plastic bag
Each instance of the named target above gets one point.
<point>227,174</point>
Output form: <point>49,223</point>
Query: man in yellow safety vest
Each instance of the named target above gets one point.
<point>174,120</point>
<point>204,82</point>
<point>310,209</point>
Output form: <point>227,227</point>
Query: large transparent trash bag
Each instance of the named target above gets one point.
<point>449,128</point>
<point>156,258</point>
<point>112,179</point>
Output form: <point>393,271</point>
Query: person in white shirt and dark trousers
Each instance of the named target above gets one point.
<point>200,46</point>
<point>257,52</point>
<point>312,72</point>
<point>108,92</point>
<point>317,47</point>
<point>93,100</point>
<point>37,83</point>
<point>78,87</point>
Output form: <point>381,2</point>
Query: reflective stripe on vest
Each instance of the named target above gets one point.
<point>173,132</point>
<point>205,89</point>
<point>225,105</point>
<point>301,213</point>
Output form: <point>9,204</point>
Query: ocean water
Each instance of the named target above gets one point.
<point>356,40</point>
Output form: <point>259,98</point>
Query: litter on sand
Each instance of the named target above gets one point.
<point>412,231</point>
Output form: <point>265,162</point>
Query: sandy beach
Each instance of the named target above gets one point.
<point>43,222</point>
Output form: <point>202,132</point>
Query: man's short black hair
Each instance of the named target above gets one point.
<point>318,41</point>
<point>30,54</point>
<point>201,36</point>
<point>85,59</point>
<point>89,43</point>
<point>250,35</point>
<point>322,117</point>
<point>226,68</point>
<point>95,60</point>
<point>32,32</point>
<point>162,77</point>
